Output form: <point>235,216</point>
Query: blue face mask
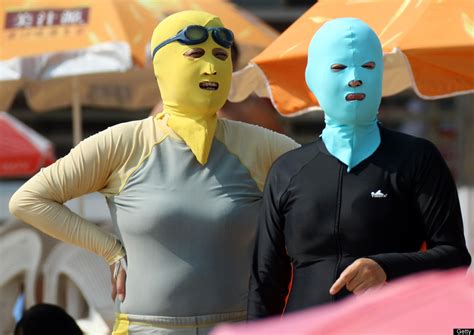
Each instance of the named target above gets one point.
<point>345,71</point>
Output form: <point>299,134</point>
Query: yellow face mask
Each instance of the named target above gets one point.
<point>193,85</point>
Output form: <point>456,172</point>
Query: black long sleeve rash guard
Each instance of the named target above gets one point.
<point>317,219</point>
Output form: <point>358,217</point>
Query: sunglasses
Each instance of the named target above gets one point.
<point>195,34</point>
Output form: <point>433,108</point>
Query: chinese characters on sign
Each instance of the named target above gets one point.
<point>46,17</point>
<point>35,23</point>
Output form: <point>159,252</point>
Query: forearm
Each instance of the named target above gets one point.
<point>439,257</point>
<point>58,221</point>
<point>435,203</point>
<point>265,300</point>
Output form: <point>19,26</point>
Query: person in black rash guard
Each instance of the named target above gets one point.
<point>351,210</point>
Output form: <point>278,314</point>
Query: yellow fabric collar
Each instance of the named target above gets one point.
<point>197,133</point>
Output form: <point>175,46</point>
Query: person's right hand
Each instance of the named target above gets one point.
<point>363,274</point>
<point>118,284</point>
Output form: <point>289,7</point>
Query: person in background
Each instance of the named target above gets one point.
<point>183,187</point>
<point>46,319</point>
<point>253,110</point>
<point>349,211</point>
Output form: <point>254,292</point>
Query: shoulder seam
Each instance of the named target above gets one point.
<point>240,161</point>
<point>132,171</point>
<point>294,175</point>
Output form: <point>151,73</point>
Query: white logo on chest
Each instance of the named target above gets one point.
<point>378,194</point>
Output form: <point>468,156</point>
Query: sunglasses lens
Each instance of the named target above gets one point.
<point>196,33</point>
<point>224,36</point>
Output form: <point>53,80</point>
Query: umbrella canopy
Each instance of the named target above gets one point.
<point>22,150</point>
<point>37,27</point>
<point>428,303</point>
<point>48,45</point>
<point>428,45</point>
<point>46,39</point>
<point>111,88</point>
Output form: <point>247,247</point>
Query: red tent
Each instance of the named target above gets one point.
<point>22,150</point>
<point>427,303</point>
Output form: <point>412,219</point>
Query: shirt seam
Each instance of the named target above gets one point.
<point>140,163</point>
<point>294,175</point>
<point>241,163</point>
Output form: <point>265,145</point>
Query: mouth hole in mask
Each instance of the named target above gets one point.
<point>355,97</point>
<point>209,85</point>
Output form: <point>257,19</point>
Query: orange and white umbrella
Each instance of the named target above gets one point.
<point>38,27</point>
<point>102,38</point>
<point>45,39</point>
<point>22,150</point>
<point>428,46</point>
<point>47,45</point>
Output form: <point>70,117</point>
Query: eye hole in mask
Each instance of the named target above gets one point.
<point>369,65</point>
<point>199,52</point>
<point>220,53</point>
<point>195,53</point>
<point>338,67</point>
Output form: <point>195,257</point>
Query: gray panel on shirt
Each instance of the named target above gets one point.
<point>188,231</point>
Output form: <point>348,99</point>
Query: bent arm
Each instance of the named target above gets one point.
<point>40,201</point>
<point>436,199</point>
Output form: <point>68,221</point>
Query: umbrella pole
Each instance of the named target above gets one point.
<point>76,112</point>
<point>77,125</point>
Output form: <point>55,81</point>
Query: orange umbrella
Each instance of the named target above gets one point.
<point>428,45</point>
<point>36,27</point>
<point>48,42</point>
<point>133,89</point>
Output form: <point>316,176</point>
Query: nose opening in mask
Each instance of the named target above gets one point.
<point>355,83</point>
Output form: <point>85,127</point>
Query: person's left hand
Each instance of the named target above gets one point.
<point>360,276</point>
